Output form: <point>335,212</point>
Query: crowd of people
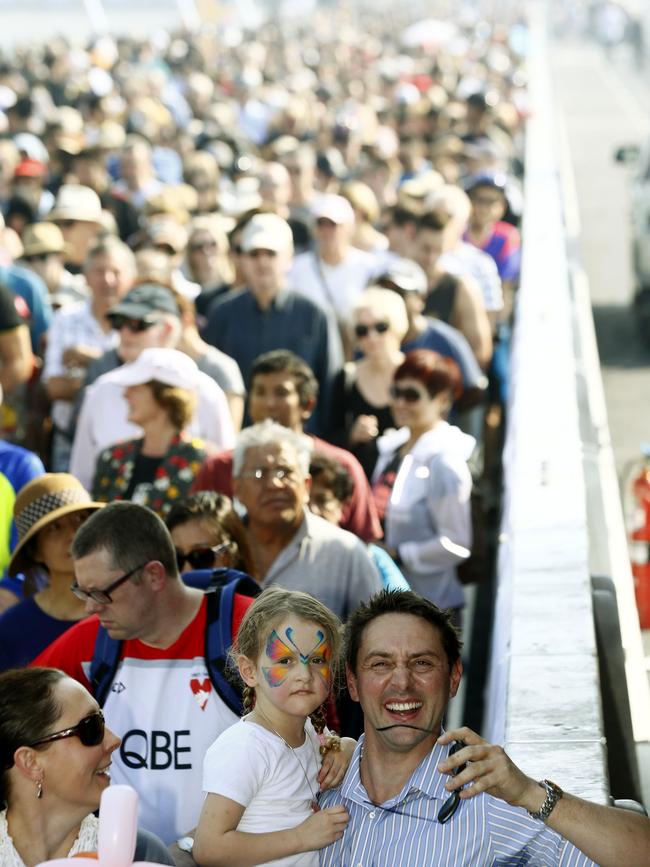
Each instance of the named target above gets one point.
<point>255,305</point>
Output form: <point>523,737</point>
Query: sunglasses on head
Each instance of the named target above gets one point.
<point>364,330</point>
<point>89,730</point>
<point>137,326</point>
<point>200,558</point>
<point>410,395</point>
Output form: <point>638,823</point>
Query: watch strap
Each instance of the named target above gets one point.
<point>553,795</point>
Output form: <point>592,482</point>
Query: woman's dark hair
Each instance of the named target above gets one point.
<point>217,511</point>
<point>178,403</point>
<point>398,602</point>
<point>436,372</point>
<point>28,711</point>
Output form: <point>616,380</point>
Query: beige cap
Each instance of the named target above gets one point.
<point>42,238</point>
<point>76,202</point>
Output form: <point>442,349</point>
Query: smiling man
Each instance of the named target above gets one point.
<point>402,787</point>
<point>291,546</point>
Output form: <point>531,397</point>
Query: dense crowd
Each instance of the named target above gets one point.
<point>256,295</point>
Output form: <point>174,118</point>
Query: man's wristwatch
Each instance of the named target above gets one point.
<point>185,844</point>
<point>553,795</point>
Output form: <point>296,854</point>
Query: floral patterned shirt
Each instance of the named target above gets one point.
<point>172,480</point>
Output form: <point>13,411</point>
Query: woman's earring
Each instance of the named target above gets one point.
<point>39,789</point>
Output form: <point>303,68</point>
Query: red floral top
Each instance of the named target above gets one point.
<point>172,480</point>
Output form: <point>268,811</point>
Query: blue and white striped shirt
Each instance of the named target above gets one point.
<point>404,831</point>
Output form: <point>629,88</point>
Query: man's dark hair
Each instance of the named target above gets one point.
<point>400,216</point>
<point>132,535</point>
<point>398,602</point>
<point>435,220</point>
<point>283,360</point>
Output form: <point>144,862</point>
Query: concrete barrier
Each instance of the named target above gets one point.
<point>544,696</point>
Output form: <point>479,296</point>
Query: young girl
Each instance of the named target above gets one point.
<point>263,774</point>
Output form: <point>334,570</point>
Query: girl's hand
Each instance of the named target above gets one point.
<point>321,829</point>
<point>335,764</point>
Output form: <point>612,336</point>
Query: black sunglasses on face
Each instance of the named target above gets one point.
<point>38,257</point>
<point>89,730</point>
<point>410,395</point>
<point>137,326</point>
<point>200,558</point>
<point>103,597</point>
<point>364,330</point>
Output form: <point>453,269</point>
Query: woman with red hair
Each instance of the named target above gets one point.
<point>421,481</point>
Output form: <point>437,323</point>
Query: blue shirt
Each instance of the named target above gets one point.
<point>404,831</point>
<point>238,326</point>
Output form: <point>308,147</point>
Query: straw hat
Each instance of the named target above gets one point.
<point>42,501</point>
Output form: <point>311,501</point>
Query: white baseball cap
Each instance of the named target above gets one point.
<point>334,208</point>
<point>168,366</point>
<point>267,232</point>
<point>76,202</point>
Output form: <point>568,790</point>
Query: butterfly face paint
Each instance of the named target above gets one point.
<point>285,654</point>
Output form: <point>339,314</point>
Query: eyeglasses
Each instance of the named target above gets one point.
<point>453,801</point>
<point>103,597</point>
<point>89,730</point>
<point>409,395</point>
<point>324,223</point>
<point>200,558</point>
<point>279,474</point>
<point>364,330</point>
<point>137,326</point>
<point>39,257</point>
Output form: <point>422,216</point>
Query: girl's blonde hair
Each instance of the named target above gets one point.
<point>268,609</point>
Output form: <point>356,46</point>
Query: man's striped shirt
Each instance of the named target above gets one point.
<point>404,831</point>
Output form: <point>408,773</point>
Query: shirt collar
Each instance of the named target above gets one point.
<point>278,302</point>
<point>426,778</point>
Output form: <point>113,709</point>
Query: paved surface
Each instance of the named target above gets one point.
<point>605,104</point>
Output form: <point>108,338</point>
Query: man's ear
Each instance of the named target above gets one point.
<point>247,670</point>
<point>156,575</point>
<point>352,683</point>
<point>307,408</point>
<point>307,489</point>
<point>454,678</point>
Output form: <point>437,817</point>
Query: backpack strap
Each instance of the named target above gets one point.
<point>224,583</point>
<point>218,631</point>
<point>106,656</point>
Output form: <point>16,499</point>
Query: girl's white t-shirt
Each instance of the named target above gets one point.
<point>255,768</point>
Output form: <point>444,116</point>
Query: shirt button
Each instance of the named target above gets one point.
<point>372,814</point>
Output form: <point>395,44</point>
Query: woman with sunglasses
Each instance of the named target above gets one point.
<point>362,404</point>
<point>207,534</point>
<point>422,483</point>
<point>48,512</point>
<point>159,467</point>
<point>55,755</point>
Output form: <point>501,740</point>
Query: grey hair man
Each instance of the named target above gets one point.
<point>290,545</point>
